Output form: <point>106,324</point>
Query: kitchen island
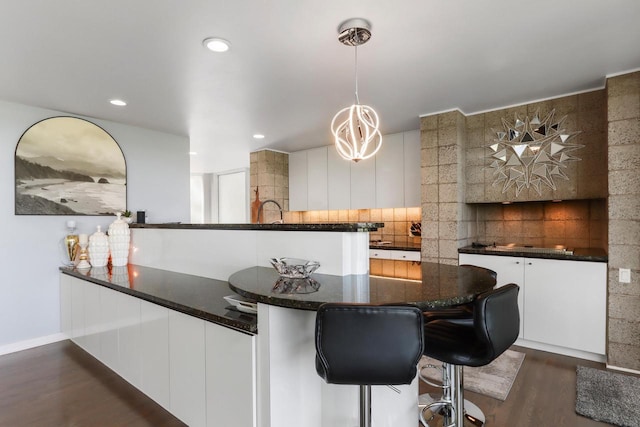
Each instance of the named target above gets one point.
<point>161,322</point>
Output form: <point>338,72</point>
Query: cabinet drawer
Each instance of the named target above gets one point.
<point>380,253</point>
<point>405,255</point>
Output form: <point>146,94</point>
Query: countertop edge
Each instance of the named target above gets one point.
<point>334,227</point>
<point>586,254</point>
<point>249,329</point>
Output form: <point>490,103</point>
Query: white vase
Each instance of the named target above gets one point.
<point>98,249</point>
<point>119,238</point>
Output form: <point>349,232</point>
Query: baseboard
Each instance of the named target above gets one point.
<point>562,350</point>
<point>618,368</point>
<point>35,342</point>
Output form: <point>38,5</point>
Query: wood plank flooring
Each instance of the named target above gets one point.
<point>61,385</point>
<point>543,394</point>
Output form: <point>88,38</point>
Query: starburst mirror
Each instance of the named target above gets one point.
<point>531,153</point>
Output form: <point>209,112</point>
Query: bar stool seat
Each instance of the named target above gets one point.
<point>466,340</point>
<point>366,345</point>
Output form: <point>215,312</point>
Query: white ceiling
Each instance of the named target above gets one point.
<point>286,74</point>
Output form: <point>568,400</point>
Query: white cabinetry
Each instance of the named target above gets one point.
<point>230,377</point>
<point>412,180</point>
<point>187,368</point>
<point>201,372</point>
<point>317,179</point>
<point>563,302</point>
<point>338,180</point>
<point>320,179</point>
<point>394,254</point>
<point>298,181</point>
<point>363,184</point>
<point>389,172</point>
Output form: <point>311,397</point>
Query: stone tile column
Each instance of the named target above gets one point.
<point>269,172</point>
<point>623,104</point>
<point>447,222</point>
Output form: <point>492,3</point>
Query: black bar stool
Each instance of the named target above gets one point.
<point>367,345</point>
<point>473,335</point>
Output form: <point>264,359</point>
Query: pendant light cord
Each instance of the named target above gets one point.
<point>356,68</point>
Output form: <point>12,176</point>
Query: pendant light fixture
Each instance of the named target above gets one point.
<point>356,128</point>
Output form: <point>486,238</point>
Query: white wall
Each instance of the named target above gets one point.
<point>157,181</point>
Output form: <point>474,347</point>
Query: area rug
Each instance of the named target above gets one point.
<point>494,380</point>
<point>607,396</point>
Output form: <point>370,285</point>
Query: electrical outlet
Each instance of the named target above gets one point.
<point>624,275</point>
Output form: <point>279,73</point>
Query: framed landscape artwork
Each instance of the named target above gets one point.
<point>69,166</point>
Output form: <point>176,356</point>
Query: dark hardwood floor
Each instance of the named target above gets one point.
<point>61,385</point>
<point>543,394</point>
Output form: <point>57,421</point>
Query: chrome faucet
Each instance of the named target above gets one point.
<point>280,221</point>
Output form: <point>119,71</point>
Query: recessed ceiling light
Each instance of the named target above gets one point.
<point>258,136</point>
<point>216,44</point>
<point>118,102</point>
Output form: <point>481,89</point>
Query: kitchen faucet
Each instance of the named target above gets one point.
<point>280,221</point>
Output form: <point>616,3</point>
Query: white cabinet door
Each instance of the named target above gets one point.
<point>405,255</point>
<point>298,181</point>
<point>77,311</point>
<point>412,179</point>
<point>109,334</point>
<point>317,198</point>
<point>363,184</point>
<point>92,319</point>
<point>339,180</point>
<point>154,336</point>
<point>565,303</point>
<point>129,357</point>
<point>231,377</point>
<point>187,368</point>
<point>66,325</point>
<point>379,254</point>
<point>509,270</point>
<point>389,162</point>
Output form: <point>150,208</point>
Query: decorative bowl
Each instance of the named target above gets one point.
<point>285,285</point>
<point>293,268</point>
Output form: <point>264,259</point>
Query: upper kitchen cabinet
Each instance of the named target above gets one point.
<point>339,180</point>
<point>411,152</point>
<point>298,181</point>
<point>308,180</point>
<point>389,172</point>
<point>319,179</point>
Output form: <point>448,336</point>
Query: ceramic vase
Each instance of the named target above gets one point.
<point>98,249</point>
<point>70,245</point>
<point>119,238</point>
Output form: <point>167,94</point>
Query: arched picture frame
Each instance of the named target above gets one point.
<point>69,166</point>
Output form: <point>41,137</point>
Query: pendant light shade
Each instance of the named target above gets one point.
<point>356,128</point>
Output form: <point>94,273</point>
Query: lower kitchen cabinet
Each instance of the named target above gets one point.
<point>187,368</point>
<point>563,302</point>
<point>201,372</point>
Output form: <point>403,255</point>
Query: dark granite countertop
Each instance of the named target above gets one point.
<point>442,285</point>
<point>193,295</point>
<point>347,226</point>
<point>393,246</point>
<point>579,254</point>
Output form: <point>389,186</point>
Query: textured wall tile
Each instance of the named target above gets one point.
<point>624,157</point>
<point>448,155</point>
<point>617,288</point>
<point>430,229</point>
<point>596,100</point>
<point>624,307</point>
<point>429,174</point>
<point>475,193</point>
<point>624,256</point>
<point>624,84</point>
<point>430,193</point>
<point>624,207</point>
<point>429,212</point>
<point>447,174</point>
<point>447,193</point>
<point>447,136</point>
<point>625,331</point>
<point>623,107</point>
<point>447,230</point>
<point>429,248</point>
<point>448,119</point>
<point>448,212</point>
<point>475,156</point>
<point>429,138</point>
<point>624,132</point>
<point>448,249</point>
<point>429,122</point>
<point>475,121</point>
<point>624,182</point>
<point>624,232</point>
<point>623,356</point>
<point>429,157</point>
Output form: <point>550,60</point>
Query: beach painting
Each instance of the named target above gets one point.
<point>69,166</point>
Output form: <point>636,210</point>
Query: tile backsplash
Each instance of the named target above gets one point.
<point>397,221</point>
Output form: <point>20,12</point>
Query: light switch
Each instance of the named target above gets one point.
<point>624,275</point>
